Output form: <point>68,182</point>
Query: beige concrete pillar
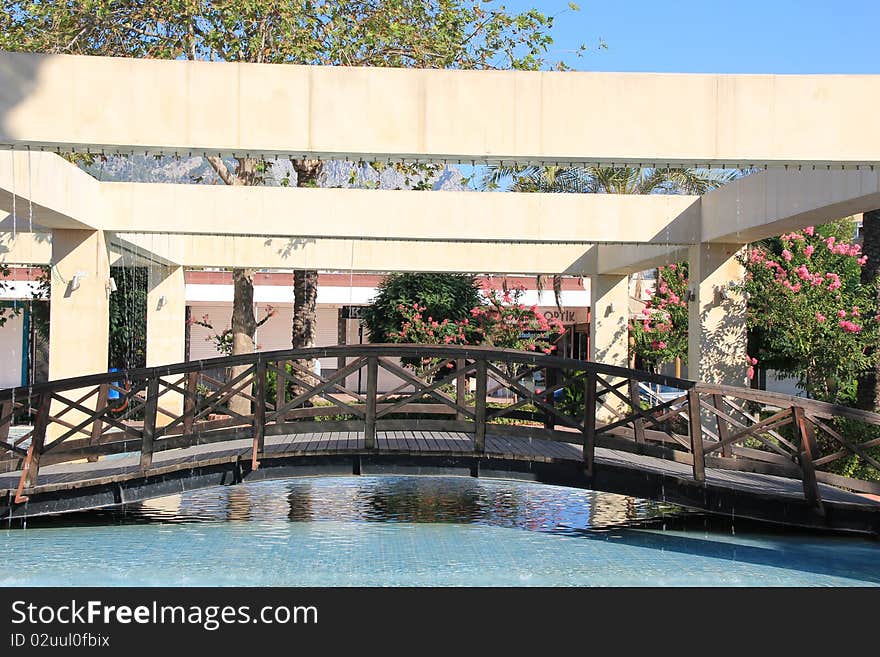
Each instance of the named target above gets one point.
<point>609,332</point>
<point>79,313</point>
<point>717,316</point>
<point>166,328</point>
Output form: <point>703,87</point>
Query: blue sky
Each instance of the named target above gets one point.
<point>746,36</point>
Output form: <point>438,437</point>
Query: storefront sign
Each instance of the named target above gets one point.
<point>351,312</point>
<point>566,315</point>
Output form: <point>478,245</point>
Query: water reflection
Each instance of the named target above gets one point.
<point>393,499</point>
<point>420,531</point>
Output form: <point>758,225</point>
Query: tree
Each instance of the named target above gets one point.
<point>447,297</point>
<point>502,322</point>
<point>467,34</point>
<point>809,314</point>
<point>605,180</point>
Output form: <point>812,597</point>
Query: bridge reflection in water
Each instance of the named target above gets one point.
<point>720,449</point>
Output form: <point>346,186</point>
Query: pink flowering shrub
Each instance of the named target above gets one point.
<point>659,333</point>
<point>808,313</point>
<point>501,322</point>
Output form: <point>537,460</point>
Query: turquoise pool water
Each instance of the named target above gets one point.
<point>420,531</point>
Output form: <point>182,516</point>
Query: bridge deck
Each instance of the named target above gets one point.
<point>738,493</point>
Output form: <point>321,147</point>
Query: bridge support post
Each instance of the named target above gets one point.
<point>589,421</point>
<point>149,431</point>
<point>80,311</point>
<point>32,463</point>
<point>370,412</point>
<point>807,447</point>
<point>166,328</point>
<point>460,387</point>
<point>259,412</point>
<point>480,407</point>
<point>696,430</point>
<point>609,330</point>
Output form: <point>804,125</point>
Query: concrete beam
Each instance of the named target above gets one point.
<point>61,195</point>
<point>777,201</point>
<point>397,214</point>
<point>25,248</point>
<point>171,106</point>
<point>618,259</point>
<point>362,255</point>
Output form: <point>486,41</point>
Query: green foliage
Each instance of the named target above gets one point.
<point>604,180</point>
<point>470,34</point>
<point>128,317</point>
<point>660,333</point>
<point>809,315</point>
<point>444,297</point>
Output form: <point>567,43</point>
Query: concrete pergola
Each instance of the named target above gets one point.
<point>813,139</point>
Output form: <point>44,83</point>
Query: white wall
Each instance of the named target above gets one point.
<point>11,351</point>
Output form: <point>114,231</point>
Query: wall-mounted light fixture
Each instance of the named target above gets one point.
<point>690,295</point>
<point>111,285</point>
<point>77,277</point>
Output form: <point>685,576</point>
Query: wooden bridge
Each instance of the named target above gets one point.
<point>115,439</point>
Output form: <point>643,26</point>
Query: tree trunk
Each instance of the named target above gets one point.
<point>244,325</point>
<point>305,281</point>
<point>869,384</point>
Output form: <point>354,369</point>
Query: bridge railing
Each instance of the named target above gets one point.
<point>478,390</point>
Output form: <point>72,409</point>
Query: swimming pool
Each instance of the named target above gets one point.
<point>398,531</point>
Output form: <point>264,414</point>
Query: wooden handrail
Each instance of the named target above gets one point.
<point>703,408</point>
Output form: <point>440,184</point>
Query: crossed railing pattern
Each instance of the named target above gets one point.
<point>146,411</point>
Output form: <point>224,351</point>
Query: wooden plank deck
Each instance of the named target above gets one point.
<point>522,456</point>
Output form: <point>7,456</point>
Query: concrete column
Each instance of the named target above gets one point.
<point>716,325</point>
<point>609,332</point>
<point>79,304</point>
<point>166,328</point>
<point>166,316</point>
<point>79,313</point>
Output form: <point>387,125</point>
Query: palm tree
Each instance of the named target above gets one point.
<point>605,180</point>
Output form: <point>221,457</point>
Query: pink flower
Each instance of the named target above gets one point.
<point>751,372</point>
<point>830,242</point>
<point>809,230</point>
<point>673,267</point>
<point>855,311</point>
<point>820,318</point>
<point>849,326</point>
<point>808,250</point>
<point>753,361</point>
<point>841,313</point>
<point>862,260</point>
<point>786,255</point>
<point>661,344</point>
